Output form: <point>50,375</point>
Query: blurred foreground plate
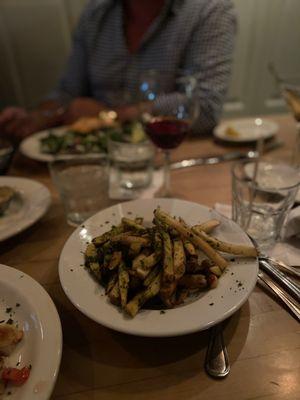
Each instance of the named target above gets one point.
<point>245,130</point>
<point>31,202</point>
<point>41,345</point>
<point>196,314</point>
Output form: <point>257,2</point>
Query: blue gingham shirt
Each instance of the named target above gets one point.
<point>193,35</point>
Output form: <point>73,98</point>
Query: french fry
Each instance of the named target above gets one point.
<point>137,261</point>
<point>91,260</point>
<point>146,264</point>
<point>127,239</point>
<point>133,225</point>
<point>111,283</point>
<point>193,237</point>
<point>167,292</point>
<point>139,220</point>
<point>179,258</point>
<point>134,249</point>
<point>208,226</point>
<point>182,294</point>
<point>189,248</point>
<point>168,264</point>
<point>114,294</point>
<point>237,249</point>
<point>114,260</point>
<point>152,274</point>
<point>140,299</point>
<point>193,281</point>
<point>99,240</point>
<point>91,254</point>
<point>123,284</point>
<point>216,271</point>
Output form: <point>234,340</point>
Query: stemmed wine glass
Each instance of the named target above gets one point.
<point>168,125</point>
<point>290,90</point>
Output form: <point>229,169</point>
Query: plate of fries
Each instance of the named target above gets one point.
<point>158,267</point>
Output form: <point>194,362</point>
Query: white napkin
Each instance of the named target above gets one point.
<point>288,250</point>
<point>118,193</point>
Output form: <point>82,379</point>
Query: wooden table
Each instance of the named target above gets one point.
<point>262,338</point>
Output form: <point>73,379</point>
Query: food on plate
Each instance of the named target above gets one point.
<point>89,124</point>
<point>89,135</point>
<point>6,195</point>
<point>232,132</point>
<point>10,336</point>
<point>159,265</point>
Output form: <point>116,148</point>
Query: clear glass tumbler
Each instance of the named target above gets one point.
<point>82,183</point>
<point>260,207</point>
<point>132,163</point>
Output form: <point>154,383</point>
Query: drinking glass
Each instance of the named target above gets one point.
<point>82,183</point>
<point>290,90</point>
<point>131,163</point>
<point>260,207</point>
<point>168,126</point>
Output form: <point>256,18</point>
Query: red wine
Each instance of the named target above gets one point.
<point>167,132</point>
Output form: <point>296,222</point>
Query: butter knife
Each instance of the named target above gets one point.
<point>216,159</point>
<point>266,281</point>
<point>287,283</point>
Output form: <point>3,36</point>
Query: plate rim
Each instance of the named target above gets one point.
<point>224,123</point>
<point>56,334</point>
<point>170,333</point>
<point>39,215</point>
<point>34,137</point>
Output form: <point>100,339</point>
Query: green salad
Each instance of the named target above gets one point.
<point>72,142</point>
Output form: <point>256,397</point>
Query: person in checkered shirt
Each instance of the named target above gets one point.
<point>116,41</point>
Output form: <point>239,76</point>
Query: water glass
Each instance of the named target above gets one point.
<point>131,163</point>
<point>261,207</point>
<point>82,183</point>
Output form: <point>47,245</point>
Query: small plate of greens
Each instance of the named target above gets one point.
<point>67,142</point>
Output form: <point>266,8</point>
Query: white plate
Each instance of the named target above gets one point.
<point>30,146</point>
<point>213,306</point>
<point>32,202</point>
<point>249,129</point>
<point>41,345</point>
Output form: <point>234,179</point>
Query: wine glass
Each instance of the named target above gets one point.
<point>168,125</point>
<point>290,90</point>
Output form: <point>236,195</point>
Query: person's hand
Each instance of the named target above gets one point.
<point>10,114</point>
<point>83,107</point>
<point>127,113</point>
<point>27,124</point>
<point>133,111</point>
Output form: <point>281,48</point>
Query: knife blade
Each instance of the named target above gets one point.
<point>288,284</point>
<point>216,159</point>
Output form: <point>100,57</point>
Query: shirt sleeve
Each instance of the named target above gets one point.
<point>209,58</point>
<point>74,81</point>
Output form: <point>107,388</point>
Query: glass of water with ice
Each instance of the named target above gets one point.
<point>260,207</point>
<point>82,182</point>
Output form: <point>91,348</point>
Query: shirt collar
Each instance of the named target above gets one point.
<point>174,4</point>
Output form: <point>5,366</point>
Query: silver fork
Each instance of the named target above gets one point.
<point>291,269</point>
<point>293,306</point>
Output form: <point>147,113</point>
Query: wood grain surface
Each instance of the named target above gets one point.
<point>263,339</point>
